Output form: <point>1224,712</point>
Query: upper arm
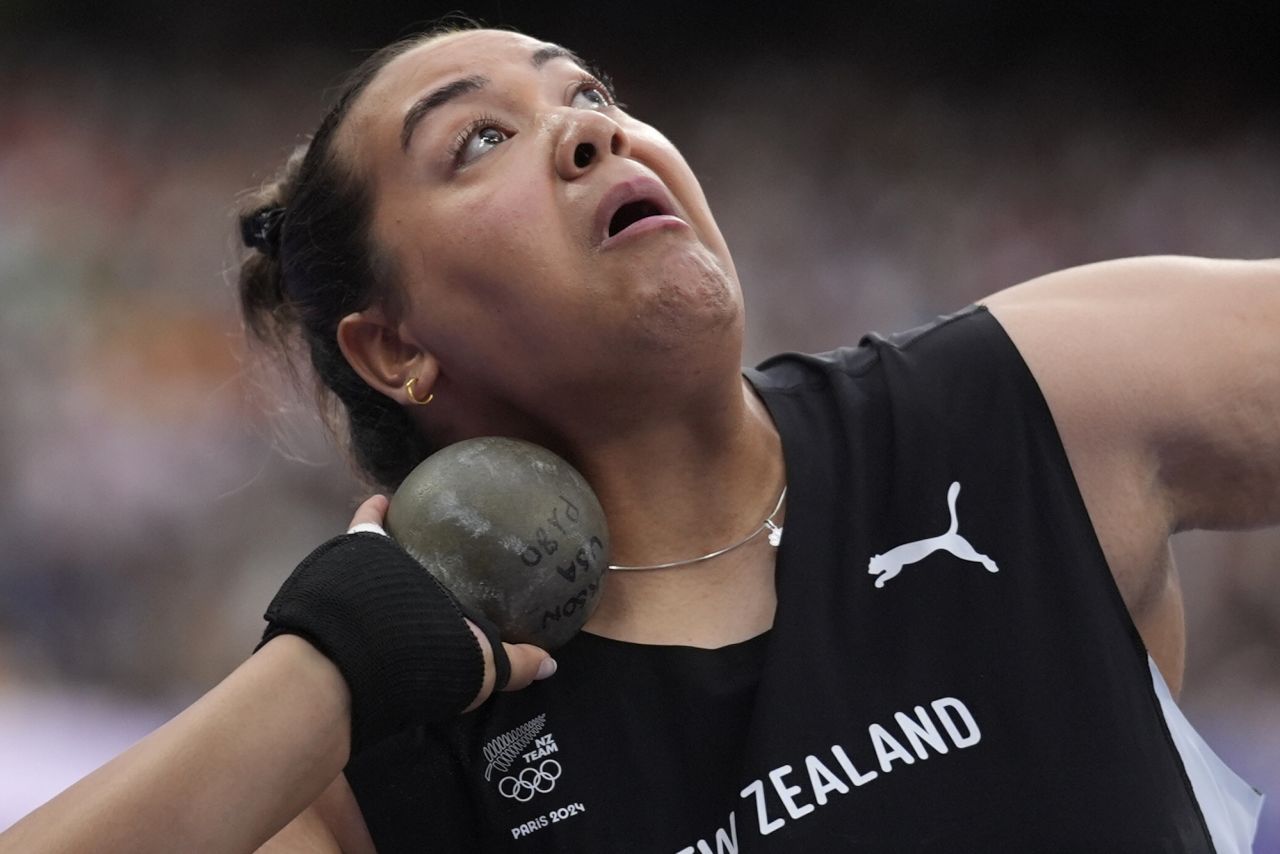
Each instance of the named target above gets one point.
<point>1163,378</point>
<point>1168,369</point>
<point>332,824</point>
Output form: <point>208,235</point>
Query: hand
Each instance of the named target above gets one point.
<point>528,662</point>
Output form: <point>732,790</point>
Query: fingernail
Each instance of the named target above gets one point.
<point>546,668</point>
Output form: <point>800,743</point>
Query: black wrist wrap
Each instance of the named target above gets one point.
<point>394,632</point>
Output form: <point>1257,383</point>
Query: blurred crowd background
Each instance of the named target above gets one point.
<point>871,168</point>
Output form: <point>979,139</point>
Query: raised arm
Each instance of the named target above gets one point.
<point>1163,376</point>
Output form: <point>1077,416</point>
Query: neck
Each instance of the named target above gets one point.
<point>679,486</point>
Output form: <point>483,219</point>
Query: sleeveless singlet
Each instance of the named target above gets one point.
<point>950,669</point>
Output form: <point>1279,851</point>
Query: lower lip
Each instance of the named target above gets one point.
<point>644,226</point>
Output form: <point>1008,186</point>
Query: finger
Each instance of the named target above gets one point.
<point>372,512</point>
<point>527,665</point>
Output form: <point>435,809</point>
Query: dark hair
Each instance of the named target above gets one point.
<point>312,262</point>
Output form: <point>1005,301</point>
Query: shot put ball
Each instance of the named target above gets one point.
<point>512,530</point>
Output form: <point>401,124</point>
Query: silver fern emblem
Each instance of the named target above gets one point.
<point>504,749</point>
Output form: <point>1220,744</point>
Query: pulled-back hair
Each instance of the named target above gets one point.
<point>313,262</point>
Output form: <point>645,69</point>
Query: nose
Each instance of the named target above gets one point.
<point>586,137</point>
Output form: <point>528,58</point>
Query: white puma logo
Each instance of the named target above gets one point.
<point>891,562</point>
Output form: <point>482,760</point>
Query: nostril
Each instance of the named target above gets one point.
<point>583,155</point>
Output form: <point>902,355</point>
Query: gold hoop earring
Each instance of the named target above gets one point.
<point>408,389</point>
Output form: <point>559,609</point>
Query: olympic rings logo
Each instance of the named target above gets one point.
<point>531,781</point>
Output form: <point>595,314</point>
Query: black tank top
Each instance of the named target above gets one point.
<point>950,669</point>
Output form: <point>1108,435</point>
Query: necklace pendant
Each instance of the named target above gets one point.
<point>775,534</point>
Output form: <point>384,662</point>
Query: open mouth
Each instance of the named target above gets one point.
<point>632,212</point>
<point>630,202</point>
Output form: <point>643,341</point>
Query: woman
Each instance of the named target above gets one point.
<point>949,650</point>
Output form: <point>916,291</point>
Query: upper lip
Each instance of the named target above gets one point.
<point>638,189</point>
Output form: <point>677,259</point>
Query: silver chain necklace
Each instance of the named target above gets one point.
<point>775,540</point>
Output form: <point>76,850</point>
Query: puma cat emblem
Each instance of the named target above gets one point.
<point>891,563</point>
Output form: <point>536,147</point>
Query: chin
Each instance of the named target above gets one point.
<point>694,300</point>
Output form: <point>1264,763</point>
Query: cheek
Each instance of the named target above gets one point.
<point>496,233</point>
<point>493,263</point>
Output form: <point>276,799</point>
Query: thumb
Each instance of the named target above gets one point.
<point>528,663</point>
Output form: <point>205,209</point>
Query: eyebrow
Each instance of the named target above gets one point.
<point>543,55</point>
<point>466,85</point>
<point>436,99</point>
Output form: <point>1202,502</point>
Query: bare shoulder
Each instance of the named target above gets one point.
<point>1143,278</point>
<point>1165,306</point>
<point>1142,316</point>
<point>1060,324</point>
<point>1171,363</point>
<point>1163,377</point>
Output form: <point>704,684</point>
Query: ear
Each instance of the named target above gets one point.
<point>384,358</point>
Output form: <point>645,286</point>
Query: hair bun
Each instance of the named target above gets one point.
<point>261,229</point>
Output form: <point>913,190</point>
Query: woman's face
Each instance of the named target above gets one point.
<point>504,179</point>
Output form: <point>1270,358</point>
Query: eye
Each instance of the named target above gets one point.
<point>476,140</point>
<point>591,96</point>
